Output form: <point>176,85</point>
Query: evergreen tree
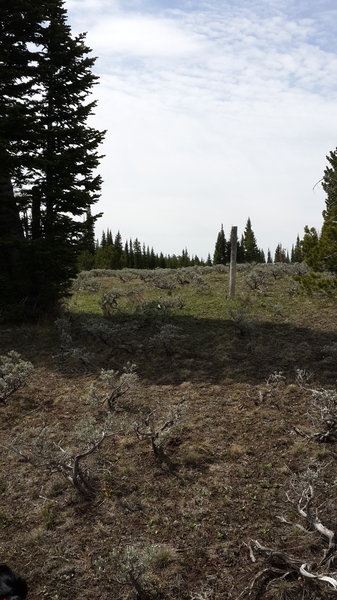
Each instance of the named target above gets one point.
<point>328,239</point>
<point>131,255</point>
<point>118,251</point>
<point>262,258</point>
<point>220,251</point>
<point>184,259</point>
<point>297,251</point>
<point>109,238</point>
<point>240,251</point>
<point>50,163</point>
<point>269,258</point>
<point>88,239</point>
<point>126,257</point>
<point>137,254</point>
<point>161,261</point>
<point>86,259</point>
<point>311,248</point>
<point>252,252</point>
<point>148,258</point>
<point>153,260</point>
<point>18,31</point>
<point>280,254</point>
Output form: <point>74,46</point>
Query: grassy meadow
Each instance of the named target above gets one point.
<point>171,443</point>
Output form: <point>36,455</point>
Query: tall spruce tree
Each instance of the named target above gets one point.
<point>18,31</point>
<point>328,238</point>
<point>311,248</point>
<point>251,251</point>
<point>220,251</point>
<point>46,179</point>
<point>297,251</point>
<point>280,254</point>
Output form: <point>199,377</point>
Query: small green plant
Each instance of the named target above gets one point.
<point>14,374</point>
<point>50,515</point>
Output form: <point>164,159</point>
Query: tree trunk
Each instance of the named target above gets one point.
<point>10,223</point>
<point>14,279</point>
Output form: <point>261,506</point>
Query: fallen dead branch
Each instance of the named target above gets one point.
<point>318,577</point>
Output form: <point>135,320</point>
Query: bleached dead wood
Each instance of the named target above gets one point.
<point>280,565</point>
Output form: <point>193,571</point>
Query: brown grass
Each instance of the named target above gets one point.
<point>181,533</point>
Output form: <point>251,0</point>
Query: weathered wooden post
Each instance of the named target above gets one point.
<point>232,268</point>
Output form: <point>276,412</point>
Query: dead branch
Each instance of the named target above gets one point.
<point>283,566</point>
<point>78,478</point>
<point>153,434</point>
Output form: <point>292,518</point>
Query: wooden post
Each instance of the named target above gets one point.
<point>232,268</point>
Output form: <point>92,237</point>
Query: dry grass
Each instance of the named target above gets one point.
<point>181,533</point>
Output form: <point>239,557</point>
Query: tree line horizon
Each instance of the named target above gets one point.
<point>110,252</point>
<point>49,156</point>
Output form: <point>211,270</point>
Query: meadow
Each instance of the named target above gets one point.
<point>169,443</point>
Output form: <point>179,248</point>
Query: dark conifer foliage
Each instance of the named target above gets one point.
<point>297,251</point>
<point>328,238</point>
<point>47,149</point>
<point>221,256</point>
<point>113,254</point>
<point>311,248</point>
<point>247,249</point>
<point>281,255</point>
<point>251,251</point>
<point>18,29</point>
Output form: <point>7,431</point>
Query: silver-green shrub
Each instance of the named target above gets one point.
<point>14,374</point>
<point>69,353</point>
<point>169,338</point>
<point>63,328</point>
<point>41,448</point>
<point>256,279</point>
<point>110,334</point>
<point>109,302</point>
<point>111,385</point>
<point>87,284</point>
<point>240,319</point>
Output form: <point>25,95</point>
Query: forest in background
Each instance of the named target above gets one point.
<point>48,174</point>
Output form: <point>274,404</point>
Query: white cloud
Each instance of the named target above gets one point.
<point>141,36</point>
<point>213,116</point>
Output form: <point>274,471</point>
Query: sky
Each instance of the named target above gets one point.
<point>215,111</point>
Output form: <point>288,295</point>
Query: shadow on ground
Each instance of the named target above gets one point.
<point>199,350</point>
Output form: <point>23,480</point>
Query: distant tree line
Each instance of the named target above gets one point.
<point>111,252</point>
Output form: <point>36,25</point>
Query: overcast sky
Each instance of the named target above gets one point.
<point>215,111</point>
